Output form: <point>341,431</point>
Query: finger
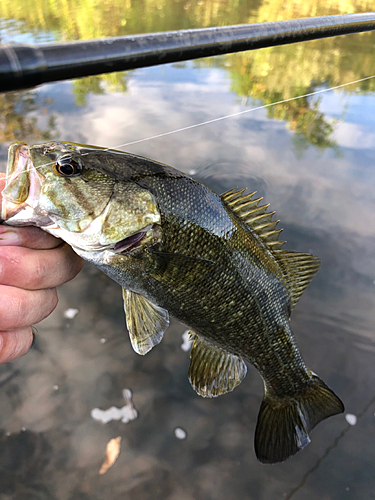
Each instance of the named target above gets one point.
<point>22,308</point>
<point>37,269</point>
<point>29,237</point>
<point>2,186</point>
<point>14,344</point>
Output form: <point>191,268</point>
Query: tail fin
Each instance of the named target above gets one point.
<point>284,423</point>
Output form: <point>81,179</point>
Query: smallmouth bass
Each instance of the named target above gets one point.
<point>176,247</point>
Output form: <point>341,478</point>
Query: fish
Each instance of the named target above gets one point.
<point>215,263</point>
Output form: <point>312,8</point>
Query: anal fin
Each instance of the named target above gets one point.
<point>212,370</point>
<point>146,321</point>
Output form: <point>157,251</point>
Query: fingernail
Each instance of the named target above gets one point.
<point>34,337</point>
<point>9,237</point>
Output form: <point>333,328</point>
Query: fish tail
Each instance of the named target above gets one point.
<point>284,423</point>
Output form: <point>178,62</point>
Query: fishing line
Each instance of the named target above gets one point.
<point>232,115</point>
<point>220,118</point>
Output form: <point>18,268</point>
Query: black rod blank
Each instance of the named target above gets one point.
<point>25,66</point>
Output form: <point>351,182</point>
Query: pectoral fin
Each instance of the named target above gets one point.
<point>212,370</point>
<point>146,321</point>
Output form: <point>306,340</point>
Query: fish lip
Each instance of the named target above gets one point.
<point>19,163</point>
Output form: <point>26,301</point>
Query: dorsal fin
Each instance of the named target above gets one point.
<point>298,268</point>
<point>255,216</point>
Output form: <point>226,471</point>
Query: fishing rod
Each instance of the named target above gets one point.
<point>26,66</point>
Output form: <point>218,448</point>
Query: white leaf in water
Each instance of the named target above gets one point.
<point>113,451</point>
<point>71,313</point>
<point>125,414</point>
<point>186,341</point>
<point>179,433</point>
<point>351,419</point>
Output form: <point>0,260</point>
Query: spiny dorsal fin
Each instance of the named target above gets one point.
<point>146,321</point>
<point>255,216</point>
<point>212,370</point>
<point>298,270</point>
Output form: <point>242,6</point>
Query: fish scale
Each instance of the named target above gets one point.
<point>176,247</point>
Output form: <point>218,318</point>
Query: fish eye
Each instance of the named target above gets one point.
<point>67,167</point>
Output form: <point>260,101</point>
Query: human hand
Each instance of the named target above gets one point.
<point>32,264</point>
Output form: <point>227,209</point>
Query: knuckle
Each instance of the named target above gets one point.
<point>39,273</point>
<point>18,306</point>
<point>11,304</point>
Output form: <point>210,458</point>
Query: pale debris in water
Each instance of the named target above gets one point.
<point>103,340</point>
<point>186,341</point>
<point>179,433</point>
<point>351,419</point>
<point>125,414</point>
<point>113,451</point>
<point>70,313</point>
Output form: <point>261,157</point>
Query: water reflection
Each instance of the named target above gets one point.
<point>267,76</point>
<point>325,202</point>
<point>24,114</point>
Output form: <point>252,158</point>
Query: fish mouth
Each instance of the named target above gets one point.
<point>119,228</point>
<point>22,184</point>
